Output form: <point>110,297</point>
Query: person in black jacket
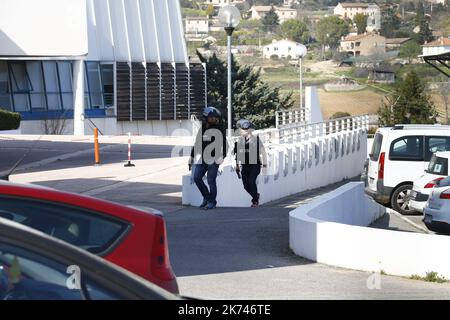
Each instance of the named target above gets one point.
<point>250,157</point>
<point>207,154</point>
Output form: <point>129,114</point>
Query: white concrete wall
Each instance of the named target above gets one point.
<point>43,28</point>
<point>110,126</point>
<point>293,168</point>
<point>332,230</point>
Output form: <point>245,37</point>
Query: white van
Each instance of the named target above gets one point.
<point>399,156</point>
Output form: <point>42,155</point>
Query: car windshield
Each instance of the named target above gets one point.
<point>438,166</point>
<point>376,147</point>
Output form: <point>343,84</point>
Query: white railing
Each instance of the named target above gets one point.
<point>287,117</point>
<point>295,132</point>
<point>292,167</point>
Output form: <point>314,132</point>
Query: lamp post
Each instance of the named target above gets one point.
<point>229,17</point>
<point>301,52</point>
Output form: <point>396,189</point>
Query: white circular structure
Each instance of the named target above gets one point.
<point>229,16</point>
<point>301,50</point>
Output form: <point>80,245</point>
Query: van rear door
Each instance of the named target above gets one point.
<point>372,170</point>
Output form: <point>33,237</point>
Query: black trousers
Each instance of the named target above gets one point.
<point>249,174</point>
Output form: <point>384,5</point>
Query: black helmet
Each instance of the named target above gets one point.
<point>244,124</point>
<point>211,112</point>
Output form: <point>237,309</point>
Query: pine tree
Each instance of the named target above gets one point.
<point>253,99</point>
<point>410,104</point>
<point>270,21</point>
<point>421,21</point>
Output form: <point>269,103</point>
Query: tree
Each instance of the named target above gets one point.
<point>210,10</point>
<point>390,22</point>
<point>270,20</point>
<point>340,114</point>
<point>408,104</point>
<point>424,33</point>
<point>360,20</point>
<point>253,98</point>
<point>295,30</point>
<point>443,89</point>
<point>410,50</point>
<point>330,30</point>
<point>444,26</point>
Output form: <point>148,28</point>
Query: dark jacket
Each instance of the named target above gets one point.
<point>250,151</point>
<point>207,136</point>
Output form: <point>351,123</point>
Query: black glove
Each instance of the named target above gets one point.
<point>190,166</point>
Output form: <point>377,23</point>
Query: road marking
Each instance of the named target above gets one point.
<point>415,225</point>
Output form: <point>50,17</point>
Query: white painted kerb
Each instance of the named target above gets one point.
<point>332,230</point>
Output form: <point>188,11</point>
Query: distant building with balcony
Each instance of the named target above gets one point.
<point>284,14</point>
<point>363,44</point>
<point>371,10</point>
<point>196,26</point>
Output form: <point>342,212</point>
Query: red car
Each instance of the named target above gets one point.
<point>133,239</point>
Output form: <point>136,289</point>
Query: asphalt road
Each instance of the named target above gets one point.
<point>240,253</point>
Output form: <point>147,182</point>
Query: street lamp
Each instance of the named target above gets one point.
<point>229,17</point>
<point>301,53</point>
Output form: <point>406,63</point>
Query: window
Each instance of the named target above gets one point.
<point>37,92</point>
<point>5,94</point>
<point>93,232</point>
<point>52,85</point>
<point>94,87</point>
<point>436,144</point>
<point>65,78</point>
<point>25,275</point>
<point>376,147</point>
<point>107,73</point>
<point>438,166</point>
<point>409,148</point>
<point>21,86</point>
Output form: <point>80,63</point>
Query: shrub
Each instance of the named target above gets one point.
<point>340,114</point>
<point>9,120</point>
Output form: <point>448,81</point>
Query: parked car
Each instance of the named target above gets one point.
<point>437,209</point>
<point>436,171</point>
<point>131,238</point>
<point>35,266</point>
<point>399,156</point>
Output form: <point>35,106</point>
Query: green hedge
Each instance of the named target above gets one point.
<point>9,120</point>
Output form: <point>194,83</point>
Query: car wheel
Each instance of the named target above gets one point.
<point>400,199</point>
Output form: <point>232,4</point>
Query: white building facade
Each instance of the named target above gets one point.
<point>283,49</point>
<point>120,65</point>
<point>284,14</point>
<point>197,25</point>
<point>349,10</point>
<point>439,46</point>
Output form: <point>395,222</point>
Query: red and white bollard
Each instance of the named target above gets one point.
<point>129,164</point>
